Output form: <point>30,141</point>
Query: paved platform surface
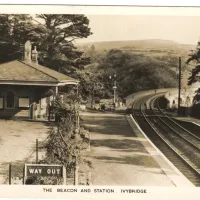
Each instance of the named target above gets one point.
<point>119,156</point>
<point>17,143</point>
<point>189,119</point>
<point>168,168</point>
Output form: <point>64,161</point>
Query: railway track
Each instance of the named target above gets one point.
<point>179,145</point>
<point>192,138</point>
<point>183,130</point>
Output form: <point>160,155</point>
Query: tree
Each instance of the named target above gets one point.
<point>52,34</point>
<point>65,140</point>
<point>15,30</point>
<point>57,33</point>
<point>92,53</point>
<point>91,84</point>
<point>135,72</point>
<point>194,57</point>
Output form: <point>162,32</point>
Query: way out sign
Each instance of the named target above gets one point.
<point>45,170</point>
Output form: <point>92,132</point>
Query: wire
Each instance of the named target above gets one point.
<point>9,40</point>
<point>14,52</point>
<point>191,64</point>
<point>10,47</point>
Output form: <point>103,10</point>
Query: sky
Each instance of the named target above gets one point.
<point>181,29</point>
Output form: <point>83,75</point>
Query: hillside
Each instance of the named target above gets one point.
<point>139,65</point>
<point>140,45</point>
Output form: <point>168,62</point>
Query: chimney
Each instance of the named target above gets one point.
<point>35,55</point>
<point>27,51</point>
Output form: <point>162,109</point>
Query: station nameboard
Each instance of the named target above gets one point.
<point>44,170</point>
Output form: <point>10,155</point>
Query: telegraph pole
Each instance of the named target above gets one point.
<point>179,86</point>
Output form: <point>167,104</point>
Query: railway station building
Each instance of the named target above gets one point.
<point>27,88</point>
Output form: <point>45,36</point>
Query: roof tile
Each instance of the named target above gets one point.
<point>24,71</point>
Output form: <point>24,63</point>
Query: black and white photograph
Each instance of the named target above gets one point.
<point>100,100</point>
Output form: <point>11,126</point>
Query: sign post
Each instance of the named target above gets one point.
<point>76,168</point>
<point>45,170</point>
<point>23,180</point>
<point>10,174</point>
<point>64,176</point>
<point>36,151</point>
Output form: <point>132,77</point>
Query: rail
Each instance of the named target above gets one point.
<point>163,139</point>
<point>195,146</point>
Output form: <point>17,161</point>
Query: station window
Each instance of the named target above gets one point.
<point>24,102</point>
<point>1,103</point>
<point>10,99</point>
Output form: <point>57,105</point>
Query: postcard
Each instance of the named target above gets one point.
<point>99,102</point>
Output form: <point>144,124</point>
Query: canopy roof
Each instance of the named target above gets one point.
<point>24,73</point>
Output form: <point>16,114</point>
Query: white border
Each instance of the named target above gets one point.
<point>99,10</point>
<point>18,191</point>
<point>105,2</point>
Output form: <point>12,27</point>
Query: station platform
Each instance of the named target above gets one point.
<point>122,155</point>
<point>189,119</point>
<point>168,168</point>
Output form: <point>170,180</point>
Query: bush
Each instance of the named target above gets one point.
<point>64,140</point>
<point>103,106</point>
<point>97,100</point>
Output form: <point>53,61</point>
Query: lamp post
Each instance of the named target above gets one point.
<point>114,86</point>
